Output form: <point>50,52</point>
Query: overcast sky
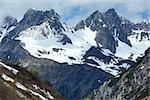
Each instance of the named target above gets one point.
<point>72,11</point>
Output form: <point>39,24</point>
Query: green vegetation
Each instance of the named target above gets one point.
<point>35,73</point>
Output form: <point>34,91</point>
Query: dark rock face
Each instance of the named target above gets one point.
<point>104,35</point>
<point>127,26</point>
<point>80,25</point>
<point>144,35</point>
<point>106,39</point>
<point>12,51</point>
<point>64,40</point>
<point>112,19</point>
<point>94,21</point>
<point>77,80</point>
<point>131,85</point>
<point>96,52</point>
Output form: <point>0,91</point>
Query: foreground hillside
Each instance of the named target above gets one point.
<point>17,83</point>
<point>134,84</point>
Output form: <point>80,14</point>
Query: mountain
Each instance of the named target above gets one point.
<point>131,85</point>
<point>45,52</point>
<point>112,30</point>
<point>75,60</point>
<point>118,40</point>
<point>16,83</point>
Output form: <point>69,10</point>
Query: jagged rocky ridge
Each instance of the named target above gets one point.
<point>110,26</point>
<point>72,62</point>
<point>134,84</point>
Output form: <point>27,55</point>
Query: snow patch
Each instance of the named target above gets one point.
<point>104,25</point>
<point>142,67</point>
<point>20,86</point>
<point>99,81</point>
<point>2,33</point>
<point>46,93</point>
<point>6,78</point>
<point>125,51</point>
<point>14,71</point>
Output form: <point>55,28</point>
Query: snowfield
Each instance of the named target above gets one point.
<point>35,42</point>
<point>44,42</point>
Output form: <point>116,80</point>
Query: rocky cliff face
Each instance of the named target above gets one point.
<point>134,84</point>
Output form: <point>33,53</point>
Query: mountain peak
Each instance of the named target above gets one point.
<point>31,10</point>
<point>96,15</point>
<point>111,13</point>
<point>111,17</point>
<point>9,21</point>
<point>36,17</point>
<point>112,10</point>
<point>96,12</point>
<point>36,14</point>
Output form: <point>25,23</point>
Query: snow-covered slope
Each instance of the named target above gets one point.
<point>139,44</point>
<point>126,52</point>
<point>42,42</point>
